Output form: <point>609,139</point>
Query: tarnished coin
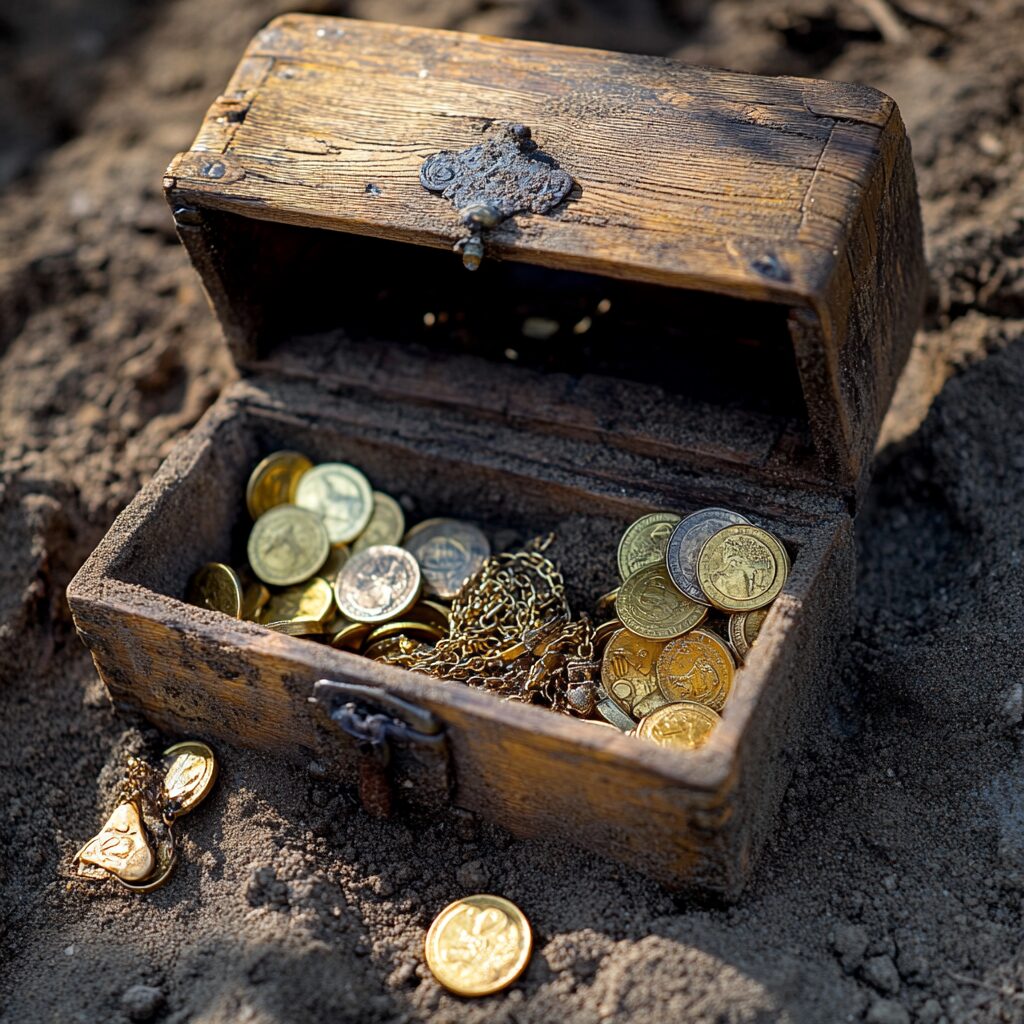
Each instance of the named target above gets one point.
<point>190,770</point>
<point>742,568</point>
<point>216,586</point>
<point>287,545</point>
<point>479,945</point>
<point>685,543</point>
<point>306,603</point>
<point>352,636</point>
<point>378,584</point>
<point>386,525</point>
<point>685,725</point>
<point>651,606</point>
<point>121,847</point>
<point>341,495</point>
<point>449,552</point>
<point>628,672</point>
<point>645,541</point>
<point>274,481</point>
<point>743,629</point>
<point>696,667</point>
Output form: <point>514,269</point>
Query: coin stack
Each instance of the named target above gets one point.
<point>693,596</point>
<point>330,559</point>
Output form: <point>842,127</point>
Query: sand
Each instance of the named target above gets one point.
<point>892,888</point>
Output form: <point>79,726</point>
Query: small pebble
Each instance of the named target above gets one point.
<point>142,1002</point>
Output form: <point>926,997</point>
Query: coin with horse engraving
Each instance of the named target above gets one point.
<point>685,543</point>
<point>698,667</point>
<point>378,584</point>
<point>651,606</point>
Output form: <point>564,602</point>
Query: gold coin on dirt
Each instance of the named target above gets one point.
<point>216,586</point>
<point>287,545</point>
<point>479,945</point>
<point>386,525</point>
<point>449,551</point>
<point>433,613</point>
<point>743,629</point>
<point>696,667</point>
<point>311,602</point>
<point>274,481</point>
<point>650,605</point>
<point>685,543</point>
<point>121,847</point>
<point>341,495</point>
<point>378,584</point>
<point>628,672</point>
<point>351,636</point>
<point>685,725</point>
<point>645,541</point>
<point>742,568</point>
<point>190,770</point>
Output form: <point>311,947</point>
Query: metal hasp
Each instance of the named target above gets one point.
<point>491,181</point>
<point>397,742</point>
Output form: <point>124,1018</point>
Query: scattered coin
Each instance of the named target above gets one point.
<point>216,586</point>
<point>190,770</point>
<point>479,945</point>
<point>651,606</point>
<point>386,525</point>
<point>742,568</point>
<point>378,584</point>
<point>274,481</point>
<point>341,495</point>
<point>628,672</point>
<point>121,847</point>
<point>685,543</point>
<point>696,667</point>
<point>449,552</point>
<point>685,725</point>
<point>645,541</point>
<point>287,545</point>
<point>743,629</point>
<point>305,604</point>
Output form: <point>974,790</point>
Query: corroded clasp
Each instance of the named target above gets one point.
<point>491,181</point>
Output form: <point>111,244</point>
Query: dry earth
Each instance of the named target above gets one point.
<point>892,890</point>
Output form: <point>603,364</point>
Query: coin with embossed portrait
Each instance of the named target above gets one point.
<point>274,481</point>
<point>651,606</point>
<point>645,541</point>
<point>742,568</point>
<point>340,495</point>
<point>378,584</point>
<point>683,725</point>
<point>287,545</point>
<point>685,543</point>
<point>449,551</point>
<point>698,667</point>
<point>628,672</point>
<point>386,525</point>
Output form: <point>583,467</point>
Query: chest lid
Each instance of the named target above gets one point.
<point>732,281</point>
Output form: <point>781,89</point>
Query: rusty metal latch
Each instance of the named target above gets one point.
<point>493,180</point>
<point>384,729</point>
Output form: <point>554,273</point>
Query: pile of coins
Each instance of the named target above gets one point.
<point>330,559</point>
<point>136,846</point>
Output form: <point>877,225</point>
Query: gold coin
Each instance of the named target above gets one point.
<point>121,847</point>
<point>697,667</point>
<point>311,602</point>
<point>341,495</point>
<point>166,858</point>
<point>352,636</point>
<point>651,606</point>
<point>190,770</point>
<point>479,945</point>
<point>413,630</point>
<point>386,525</point>
<point>743,629</point>
<point>685,725</point>
<point>605,632</point>
<point>431,612</point>
<point>378,584</point>
<point>449,553</point>
<point>287,545</point>
<point>606,604</point>
<point>297,627</point>
<point>742,568</point>
<point>685,543</point>
<point>628,672</point>
<point>274,481</point>
<point>254,596</point>
<point>644,542</point>
<point>216,586</point>
<point>394,647</point>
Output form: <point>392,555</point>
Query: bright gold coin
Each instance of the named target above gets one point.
<point>628,672</point>
<point>685,543</point>
<point>696,667</point>
<point>310,602</point>
<point>274,481</point>
<point>287,545</point>
<point>341,495</point>
<point>449,551</point>
<point>386,525</point>
<point>216,586</point>
<point>378,584</point>
<point>651,606</point>
<point>121,847</point>
<point>190,770</point>
<point>166,858</point>
<point>685,725</point>
<point>479,945</point>
<point>742,568</point>
<point>645,541</point>
<point>743,629</point>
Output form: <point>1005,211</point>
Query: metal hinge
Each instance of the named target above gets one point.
<point>400,747</point>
